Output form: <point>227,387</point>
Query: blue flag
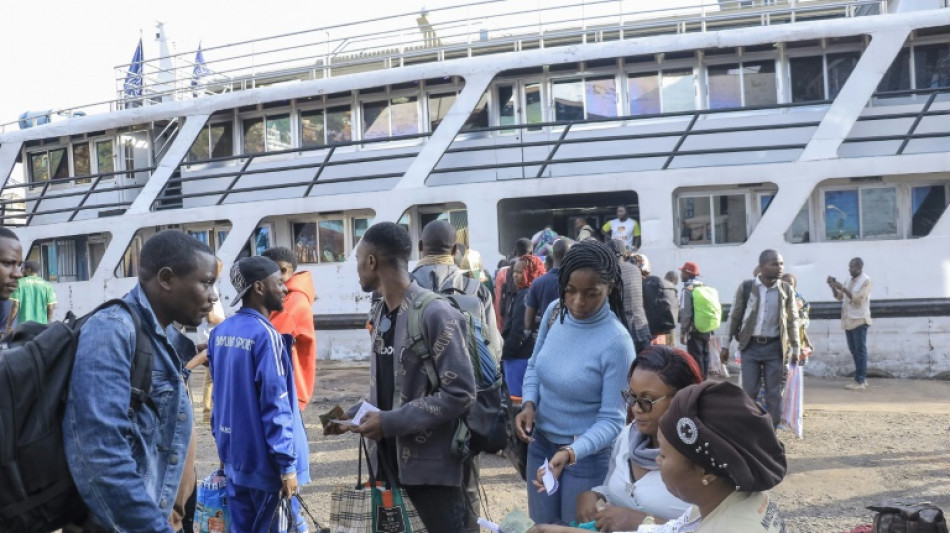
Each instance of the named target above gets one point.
<point>133,79</point>
<point>200,70</point>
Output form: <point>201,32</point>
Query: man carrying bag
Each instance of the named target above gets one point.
<point>413,428</point>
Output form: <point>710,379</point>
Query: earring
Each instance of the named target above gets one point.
<point>705,482</point>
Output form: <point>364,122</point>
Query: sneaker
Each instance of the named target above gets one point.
<point>856,386</point>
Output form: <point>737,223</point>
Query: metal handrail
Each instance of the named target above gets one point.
<point>458,33</point>
<point>917,116</point>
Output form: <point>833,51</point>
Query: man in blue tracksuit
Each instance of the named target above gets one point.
<point>255,419</point>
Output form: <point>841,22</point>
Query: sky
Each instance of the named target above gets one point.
<point>58,54</point>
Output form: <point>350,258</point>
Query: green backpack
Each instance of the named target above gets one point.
<point>707,312</point>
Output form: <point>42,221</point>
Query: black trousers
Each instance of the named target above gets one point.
<point>697,344</point>
<point>442,509</point>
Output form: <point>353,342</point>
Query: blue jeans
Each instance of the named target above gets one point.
<point>858,345</point>
<point>561,507</point>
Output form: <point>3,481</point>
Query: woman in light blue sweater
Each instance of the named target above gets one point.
<point>572,408</point>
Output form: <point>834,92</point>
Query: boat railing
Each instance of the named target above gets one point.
<point>456,31</point>
<point>25,194</point>
<point>541,146</point>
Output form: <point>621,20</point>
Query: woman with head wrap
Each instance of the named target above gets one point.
<point>718,451</point>
<point>519,343</point>
<point>571,411</point>
<point>633,491</point>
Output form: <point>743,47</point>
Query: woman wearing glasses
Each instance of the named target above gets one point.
<point>633,492</point>
<point>572,411</point>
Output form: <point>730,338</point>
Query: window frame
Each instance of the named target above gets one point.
<point>389,96</point>
<point>753,216</point>
<point>596,74</point>
<point>741,61</point>
<point>900,224</point>
<point>349,243</point>
<point>264,114</point>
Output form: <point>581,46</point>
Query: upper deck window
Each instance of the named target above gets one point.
<point>215,140</point>
<point>750,83</point>
<point>932,66</point>
<point>861,213</point>
<point>321,127</point>
<point>391,118</point>
<point>49,164</point>
<point>820,77</point>
<point>585,99</point>
<point>666,91</point>
<point>267,134</point>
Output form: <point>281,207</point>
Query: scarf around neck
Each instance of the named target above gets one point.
<point>430,260</point>
<point>640,452</point>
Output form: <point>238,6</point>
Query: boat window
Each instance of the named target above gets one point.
<point>68,259</point>
<point>479,116</point>
<point>759,85</point>
<point>713,219</point>
<point>860,213</point>
<point>800,231</point>
<point>840,67</point>
<point>339,124</point>
<point>105,156</point>
<point>313,128</point>
<point>391,118</point>
<point>644,93</point>
<point>725,86</point>
<point>679,90</point>
<point>82,161</point>
<point>215,140</point>
<point>360,225</point>
<point>49,164</point>
<point>565,214</point>
<point>319,242</point>
<point>584,99</point>
<point>506,109</point>
<point>808,82</point>
<point>267,134</point>
<point>932,66</point>
<point>533,112</point>
<point>897,77</point>
<point>927,206</point>
<point>135,152</point>
<point>439,105</point>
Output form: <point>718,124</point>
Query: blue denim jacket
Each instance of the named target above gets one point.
<point>127,469</point>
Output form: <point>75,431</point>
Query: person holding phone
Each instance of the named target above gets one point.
<point>855,298</point>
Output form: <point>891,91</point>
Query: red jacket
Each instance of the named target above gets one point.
<point>297,320</point>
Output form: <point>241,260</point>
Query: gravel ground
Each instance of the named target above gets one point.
<point>860,448</point>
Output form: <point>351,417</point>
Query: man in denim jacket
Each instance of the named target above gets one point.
<point>127,464</point>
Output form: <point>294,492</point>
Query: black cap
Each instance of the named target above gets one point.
<point>248,271</point>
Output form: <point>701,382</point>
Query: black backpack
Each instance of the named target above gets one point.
<point>37,493</point>
<point>908,517</point>
<point>661,304</point>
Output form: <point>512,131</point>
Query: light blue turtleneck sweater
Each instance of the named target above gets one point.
<point>575,377</point>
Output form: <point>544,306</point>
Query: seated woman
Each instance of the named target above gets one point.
<point>633,489</point>
<point>718,451</point>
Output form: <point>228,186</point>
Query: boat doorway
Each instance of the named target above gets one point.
<point>523,217</point>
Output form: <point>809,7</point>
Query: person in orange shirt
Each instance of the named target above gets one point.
<point>297,320</point>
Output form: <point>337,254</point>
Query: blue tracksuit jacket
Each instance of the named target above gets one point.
<point>255,420</point>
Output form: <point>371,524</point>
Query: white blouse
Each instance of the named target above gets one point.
<point>647,494</point>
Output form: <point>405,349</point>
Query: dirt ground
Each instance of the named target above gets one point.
<point>860,448</point>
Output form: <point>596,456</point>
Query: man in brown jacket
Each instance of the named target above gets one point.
<point>414,428</point>
<point>764,320</point>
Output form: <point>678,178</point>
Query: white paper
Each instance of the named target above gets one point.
<point>490,526</point>
<point>550,482</point>
<point>365,408</point>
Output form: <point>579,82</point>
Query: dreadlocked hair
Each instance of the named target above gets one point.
<point>596,256</point>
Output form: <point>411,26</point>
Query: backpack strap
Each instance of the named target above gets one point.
<point>417,341</point>
<point>141,378</point>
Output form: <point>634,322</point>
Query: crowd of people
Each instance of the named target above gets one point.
<point>631,428</point>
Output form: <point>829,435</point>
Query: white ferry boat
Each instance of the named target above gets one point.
<point>819,128</point>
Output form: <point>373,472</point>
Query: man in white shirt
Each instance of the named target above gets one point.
<point>625,229</point>
<point>855,298</point>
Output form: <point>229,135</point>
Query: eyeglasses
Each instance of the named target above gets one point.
<point>645,404</point>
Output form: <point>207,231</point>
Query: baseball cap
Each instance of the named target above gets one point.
<point>248,271</point>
